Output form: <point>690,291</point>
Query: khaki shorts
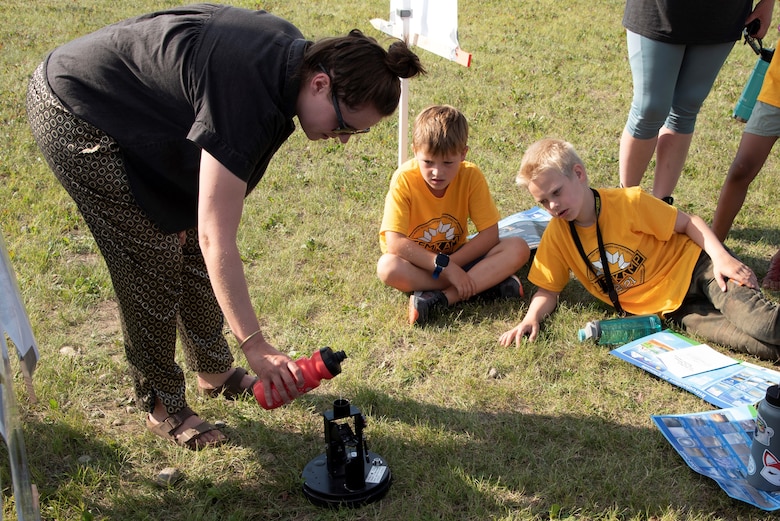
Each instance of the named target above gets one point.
<point>764,120</point>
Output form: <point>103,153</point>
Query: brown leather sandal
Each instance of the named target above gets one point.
<point>231,389</point>
<point>188,438</point>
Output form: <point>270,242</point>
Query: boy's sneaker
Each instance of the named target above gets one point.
<point>422,305</point>
<point>509,288</point>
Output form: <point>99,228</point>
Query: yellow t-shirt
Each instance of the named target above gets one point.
<point>650,264</point>
<point>770,89</point>
<point>439,224</point>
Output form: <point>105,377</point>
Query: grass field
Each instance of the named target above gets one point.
<point>562,432</point>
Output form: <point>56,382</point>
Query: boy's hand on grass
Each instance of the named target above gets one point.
<point>518,333</point>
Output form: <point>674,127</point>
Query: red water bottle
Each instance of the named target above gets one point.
<point>324,364</point>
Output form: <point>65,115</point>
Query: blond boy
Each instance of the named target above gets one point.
<point>659,259</point>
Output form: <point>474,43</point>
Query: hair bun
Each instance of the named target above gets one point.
<point>402,61</point>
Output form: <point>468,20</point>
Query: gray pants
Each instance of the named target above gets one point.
<point>741,318</point>
<point>160,284</point>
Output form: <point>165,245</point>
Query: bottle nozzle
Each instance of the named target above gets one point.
<point>773,395</point>
<point>332,359</point>
<point>591,330</point>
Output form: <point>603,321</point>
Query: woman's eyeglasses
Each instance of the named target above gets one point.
<point>343,128</point>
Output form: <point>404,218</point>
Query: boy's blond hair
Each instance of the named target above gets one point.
<point>547,154</point>
<point>440,130</point>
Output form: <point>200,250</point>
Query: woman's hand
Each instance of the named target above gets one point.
<point>277,372</point>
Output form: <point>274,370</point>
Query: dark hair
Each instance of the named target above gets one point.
<point>362,71</point>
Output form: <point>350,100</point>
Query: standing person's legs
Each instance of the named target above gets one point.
<point>751,155</point>
<point>759,136</point>
<point>697,72</point>
<point>200,326</point>
<point>670,155</point>
<point>654,68</point>
<point>144,263</point>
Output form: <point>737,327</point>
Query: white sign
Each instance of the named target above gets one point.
<point>429,24</point>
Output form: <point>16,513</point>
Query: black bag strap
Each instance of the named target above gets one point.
<point>605,282</point>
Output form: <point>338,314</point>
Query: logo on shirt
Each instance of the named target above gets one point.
<point>439,235</point>
<point>626,267</point>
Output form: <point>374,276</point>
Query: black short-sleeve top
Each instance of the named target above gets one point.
<point>688,22</point>
<point>167,84</point>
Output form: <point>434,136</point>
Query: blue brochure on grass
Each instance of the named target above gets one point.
<point>718,379</point>
<point>716,444</point>
<point>528,224</point>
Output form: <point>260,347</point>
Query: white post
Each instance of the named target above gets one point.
<point>403,104</point>
<point>443,18</point>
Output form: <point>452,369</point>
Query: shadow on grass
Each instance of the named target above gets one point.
<point>753,235</point>
<point>446,464</point>
<point>536,462</point>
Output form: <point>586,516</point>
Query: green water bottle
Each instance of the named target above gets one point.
<point>619,331</point>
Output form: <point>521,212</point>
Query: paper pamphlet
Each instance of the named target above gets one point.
<point>528,225</point>
<point>718,379</point>
<point>716,444</point>
<point>694,360</point>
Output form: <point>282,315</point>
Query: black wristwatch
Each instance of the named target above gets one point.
<point>442,261</point>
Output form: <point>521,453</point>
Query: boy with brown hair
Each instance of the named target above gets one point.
<point>639,254</point>
<point>424,231</point>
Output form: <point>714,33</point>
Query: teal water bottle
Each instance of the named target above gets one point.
<point>747,100</point>
<point>619,331</point>
<point>763,464</point>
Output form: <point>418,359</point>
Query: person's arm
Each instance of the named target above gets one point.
<point>542,305</point>
<point>402,246</point>
<point>763,12</point>
<point>724,265</point>
<point>482,243</point>
<point>220,204</point>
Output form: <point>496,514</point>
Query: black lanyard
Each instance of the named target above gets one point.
<point>605,282</point>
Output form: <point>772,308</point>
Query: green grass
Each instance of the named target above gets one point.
<point>564,433</point>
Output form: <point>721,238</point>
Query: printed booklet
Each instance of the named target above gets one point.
<point>718,379</point>
<point>716,444</point>
<point>528,224</point>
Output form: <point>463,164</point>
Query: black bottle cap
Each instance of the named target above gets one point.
<point>332,359</point>
<point>773,395</point>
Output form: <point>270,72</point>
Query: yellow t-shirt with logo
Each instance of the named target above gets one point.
<point>439,224</point>
<point>651,265</point>
<point>770,89</point>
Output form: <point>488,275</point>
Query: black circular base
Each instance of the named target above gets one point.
<point>323,490</point>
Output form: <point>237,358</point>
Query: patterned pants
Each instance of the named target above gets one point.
<point>160,284</point>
